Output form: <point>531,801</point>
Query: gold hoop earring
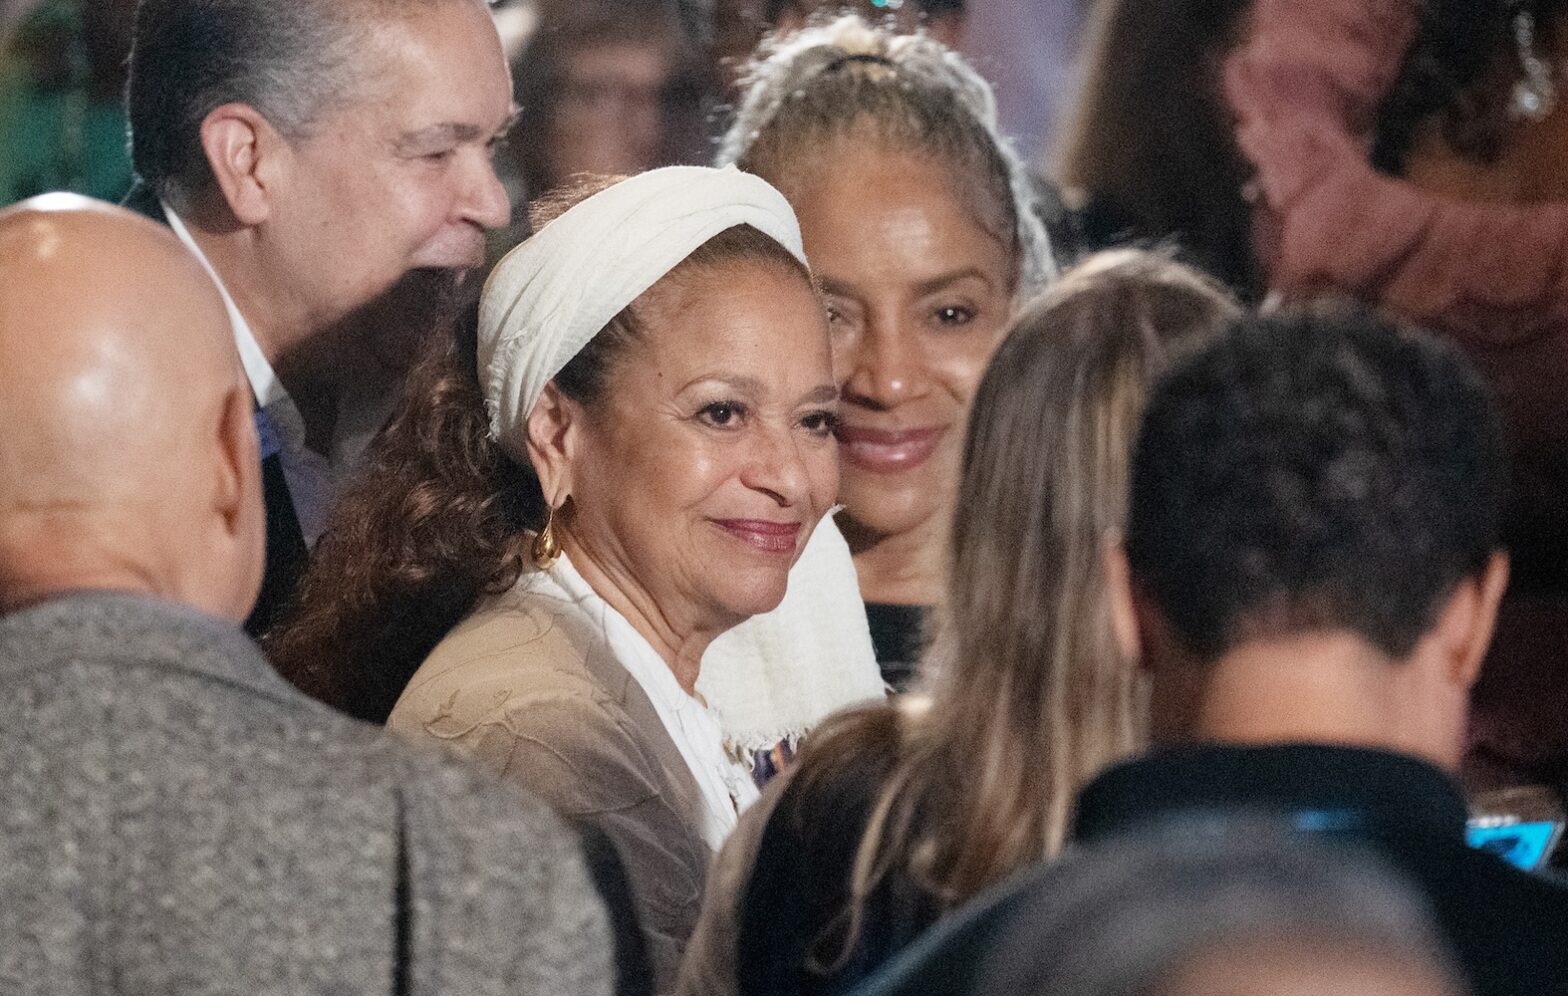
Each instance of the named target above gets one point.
<point>547,548</point>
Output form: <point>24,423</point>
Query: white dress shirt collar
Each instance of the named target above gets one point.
<point>263,380</point>
<point>313,479</point>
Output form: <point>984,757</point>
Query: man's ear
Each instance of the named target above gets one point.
<point>244,152</point>
<point>554,430</point>
<point>1121,599</point>
<point>238,490</point>
<point>1467,620</point>
<point>238,501</point>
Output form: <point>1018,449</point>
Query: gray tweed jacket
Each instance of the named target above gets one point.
<point>175,819</point>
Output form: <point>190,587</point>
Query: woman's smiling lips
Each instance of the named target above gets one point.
<point>763,534</point>
<point>888,451</point>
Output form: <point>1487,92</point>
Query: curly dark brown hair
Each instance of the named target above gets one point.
<point>440,516</point>
<point>431,523</point>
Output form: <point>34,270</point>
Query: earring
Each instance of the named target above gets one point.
<point>1535,96</point>
<point>547,548</point>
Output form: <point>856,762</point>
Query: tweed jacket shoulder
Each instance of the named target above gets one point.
<point>178,820</point>
<point>529,686</point>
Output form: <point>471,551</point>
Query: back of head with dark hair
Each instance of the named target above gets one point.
<point>1313,472</point>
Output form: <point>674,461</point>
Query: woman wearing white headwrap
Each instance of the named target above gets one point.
<point>637,458</point>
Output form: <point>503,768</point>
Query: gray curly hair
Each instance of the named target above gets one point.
<point>845,76</point>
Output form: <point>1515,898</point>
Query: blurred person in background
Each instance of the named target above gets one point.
<point>611,88</point>
<point>920,224</point>
<point>1190,907</point>
<point>62,87</point>
<point>329,161</point>
<point>1146,153</point>
<point>896,815</point>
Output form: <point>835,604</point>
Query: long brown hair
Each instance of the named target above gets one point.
<point>1024,695</point>
<point>440,515</point>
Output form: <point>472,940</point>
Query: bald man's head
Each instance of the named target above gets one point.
<point>127,451</point>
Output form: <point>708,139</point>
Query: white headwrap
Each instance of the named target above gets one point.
<point>776,675</point>
<point>551,295</point>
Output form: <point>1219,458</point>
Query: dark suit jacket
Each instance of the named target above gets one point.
<point>287,554</point>
<point>1506,927</point>
<point>177,819</point>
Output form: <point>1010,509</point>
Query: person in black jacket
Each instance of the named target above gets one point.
<point>1313,563</point>
<point>1310,574</point>
<point>1195,906</point>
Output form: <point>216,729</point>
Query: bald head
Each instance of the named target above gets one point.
<point>127,453</point>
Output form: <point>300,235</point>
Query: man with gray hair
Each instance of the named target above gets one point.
<point>330,163</point>
<point>176,818</point>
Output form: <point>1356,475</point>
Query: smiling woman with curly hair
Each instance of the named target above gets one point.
<point>628,466</point>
